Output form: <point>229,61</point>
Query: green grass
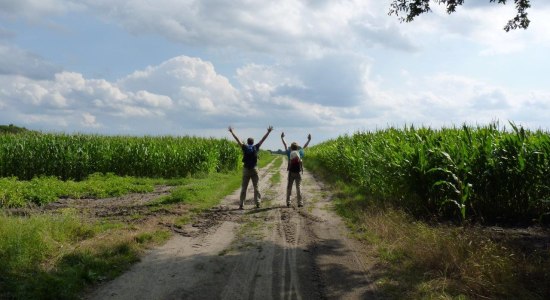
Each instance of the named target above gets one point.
<point>203,192</point>
<point>55,256</point>
<point>28,241</point>
<point>265,158</point>
<point>276,177</point>
<point>43,190</point>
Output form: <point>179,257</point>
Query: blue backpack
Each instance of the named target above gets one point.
<point>250,156</point>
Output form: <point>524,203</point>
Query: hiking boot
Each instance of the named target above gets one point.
<point>300,205</point>
<point>257,205</point>
<point>288,204</point>
<point>241,207</point>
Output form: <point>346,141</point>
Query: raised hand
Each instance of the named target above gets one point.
<point>269,129</point>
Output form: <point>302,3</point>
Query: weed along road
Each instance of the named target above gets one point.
<point>273,252</point>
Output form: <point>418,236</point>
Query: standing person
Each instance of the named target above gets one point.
<point>250,169</point>
<point>295,168</point>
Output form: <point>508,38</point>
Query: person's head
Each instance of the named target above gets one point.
<point>250,141</point>
<point>294,146</point>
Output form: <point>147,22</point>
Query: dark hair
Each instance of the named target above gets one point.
<point>250,141</point>
<point>294,146</point>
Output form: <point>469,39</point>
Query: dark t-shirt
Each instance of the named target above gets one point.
<point>250,155</point>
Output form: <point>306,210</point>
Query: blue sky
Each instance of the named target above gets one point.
<point>327,68</point>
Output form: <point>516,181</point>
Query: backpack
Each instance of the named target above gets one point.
<point>295,162</point>
<point>250,156</point>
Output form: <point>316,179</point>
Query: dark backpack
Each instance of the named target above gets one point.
<point>250,156</point>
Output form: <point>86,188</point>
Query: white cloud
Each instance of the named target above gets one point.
<point>89,120</point>
<point>334,80</point>
<point>292,28</point>
<point>183,90</point>
<point>445,100</point>
<point>51,121</point>
<point>482,24</point>
<point>72,92</point>
<point>186,94</point>
<point>153,100</point>
<point>189,84</point>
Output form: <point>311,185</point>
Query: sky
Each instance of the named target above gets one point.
<point>329,68</point>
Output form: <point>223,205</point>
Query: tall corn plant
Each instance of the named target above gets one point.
<point>482,173</point>
<point>76,156</point>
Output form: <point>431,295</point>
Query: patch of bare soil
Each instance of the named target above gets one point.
<point>273,252</point>
<point>115,207</point>
<point>527,241</point>
<point>128,208</point>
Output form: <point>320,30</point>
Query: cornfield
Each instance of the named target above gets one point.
<point>482,173</point>
<point>76,156</point>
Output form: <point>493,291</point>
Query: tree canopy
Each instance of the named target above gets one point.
<point>409,9</point>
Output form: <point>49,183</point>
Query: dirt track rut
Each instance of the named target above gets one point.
<point>273,252</point>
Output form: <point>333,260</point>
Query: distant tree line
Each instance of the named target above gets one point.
<point>4,129</point>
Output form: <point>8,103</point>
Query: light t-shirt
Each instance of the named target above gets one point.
<point>300,151</point>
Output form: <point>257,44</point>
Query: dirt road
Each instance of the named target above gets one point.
<point>273,252</point>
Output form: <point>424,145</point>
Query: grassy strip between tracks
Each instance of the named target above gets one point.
<point>58,254</point>
<point>276,178</point>
<point>418,260</point>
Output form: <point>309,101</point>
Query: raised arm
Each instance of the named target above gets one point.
<point>283,139</point>
<point>308,140</point>
<point>269,129</point>
<point>236,138</point>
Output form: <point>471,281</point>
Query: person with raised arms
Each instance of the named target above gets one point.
<point>250,166</point>
<point>295,168</point>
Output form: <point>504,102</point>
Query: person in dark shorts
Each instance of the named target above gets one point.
<point>250,168</point>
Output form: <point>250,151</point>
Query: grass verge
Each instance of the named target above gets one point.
<point>55,256</point>
<point>417,260</point>
<point>202,192</point>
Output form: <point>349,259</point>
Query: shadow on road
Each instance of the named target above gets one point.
<point>260,271</point>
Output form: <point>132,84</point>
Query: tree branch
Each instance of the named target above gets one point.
<point>407,10</point>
